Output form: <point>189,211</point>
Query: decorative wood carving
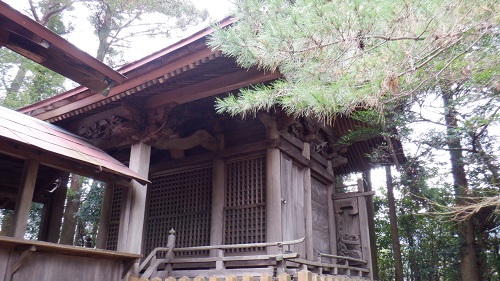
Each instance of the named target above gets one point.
<point>348,236</point>
<point>106,127</point>
<point>323,141</point>
<point>199,137</point>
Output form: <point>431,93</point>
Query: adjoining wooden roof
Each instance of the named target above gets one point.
<point>27,137</point>
<point>32,40</point>
<point>182,66</point>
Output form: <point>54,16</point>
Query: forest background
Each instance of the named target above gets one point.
<point>425,229</point>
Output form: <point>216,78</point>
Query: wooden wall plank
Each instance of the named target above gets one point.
<point>293,216</point>
<point>320,218</point>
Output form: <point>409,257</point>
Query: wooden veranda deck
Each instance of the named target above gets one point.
<point>23,260</point>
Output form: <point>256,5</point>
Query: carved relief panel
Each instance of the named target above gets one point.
<point>348,228</point>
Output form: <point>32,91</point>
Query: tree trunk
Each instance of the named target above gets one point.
<point>396,246</point>
<point>104,32</point>
<point>468,258</point>
<point>7,220</point>
<point>72,205</point>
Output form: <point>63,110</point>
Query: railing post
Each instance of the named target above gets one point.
<point>170,254</point>
<point>220,265</point>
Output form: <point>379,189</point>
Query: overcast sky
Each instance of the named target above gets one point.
<point>83,38</point>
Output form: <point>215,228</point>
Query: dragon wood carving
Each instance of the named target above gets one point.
<point>348,238</point>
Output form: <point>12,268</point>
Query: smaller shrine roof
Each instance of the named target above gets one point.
<point>28,137</point>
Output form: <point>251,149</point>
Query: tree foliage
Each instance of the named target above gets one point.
<point>338,56</point>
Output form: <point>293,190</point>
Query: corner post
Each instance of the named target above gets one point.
<point>134,208</point>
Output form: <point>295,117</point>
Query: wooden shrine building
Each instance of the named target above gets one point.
<point>234,190</point>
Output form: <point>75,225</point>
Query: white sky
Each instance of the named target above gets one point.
<point>83,38</point>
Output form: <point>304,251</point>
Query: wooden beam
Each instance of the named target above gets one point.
<point>352,194</point>
<point>24,198</point>
<point>222,84</point>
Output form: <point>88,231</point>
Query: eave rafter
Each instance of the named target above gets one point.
<point>130,87</point>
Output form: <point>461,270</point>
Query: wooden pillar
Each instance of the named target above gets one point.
<point>306,152</point>
<point>102,232</point>
<point>364,229</point>
<point>57,210</point>
<point>331,213</point>
<point>24,198</point>
<point>134,207</point>
<point>218,197</point>
<point>370,208</point>
<point>273,187</point>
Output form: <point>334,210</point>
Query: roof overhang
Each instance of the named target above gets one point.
<point>35,42</point>
<point>29,138</point>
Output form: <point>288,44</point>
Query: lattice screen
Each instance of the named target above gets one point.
<point>245,204</point>
<point>114,220</point>
<point>181,201</point>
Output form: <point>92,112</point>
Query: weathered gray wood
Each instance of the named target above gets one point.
<point>235,258</point>
<point>132,216</point>
<point>351,195</point>
<point>331,214</point>
<point>218,197</point>
<point>24,198</point>
<point>296,154</point>
<point>273,186</point>
<point>342,257</point>
<point>365,233</point>
<point>371,222</point>
<point>226,273</point>
<point>293,217</point>
<point>24,255</point>
<point>5,256</point>
<point>328,265</point>
<point>240,246</point>
<point>59,249</point>
<point>306,152</point>
<point>102,232</point>
<point>320,217</point>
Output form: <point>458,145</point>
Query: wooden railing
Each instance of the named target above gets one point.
<point>150,265</point>
<point>273,264</point>
<point>303,275</point>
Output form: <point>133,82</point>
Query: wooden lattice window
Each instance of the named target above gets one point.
<point>245,202</point>
<point>182,201</point>
<point>114,218</point>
